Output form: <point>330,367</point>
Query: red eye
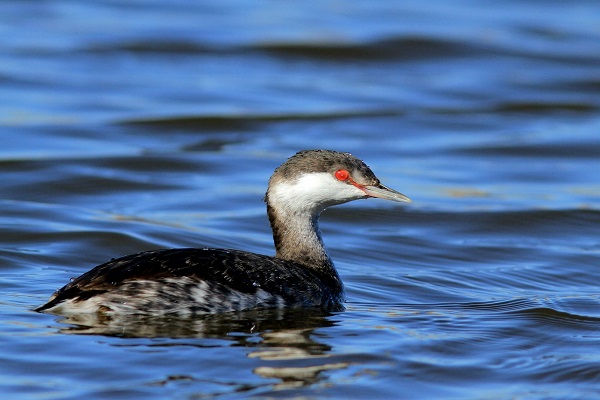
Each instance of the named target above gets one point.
<point>342,175</point>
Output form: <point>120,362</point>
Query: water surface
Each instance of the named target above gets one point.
<point>129,127</point>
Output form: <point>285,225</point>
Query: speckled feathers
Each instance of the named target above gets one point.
<point>229,279</point>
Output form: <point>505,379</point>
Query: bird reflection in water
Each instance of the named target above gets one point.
<point>281,340</point>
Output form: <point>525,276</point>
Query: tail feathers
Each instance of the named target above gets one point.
<point>74,294</point>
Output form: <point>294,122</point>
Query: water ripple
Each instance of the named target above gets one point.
<point>233,123</point>
<point>388,49</point>
<point>131,126</point>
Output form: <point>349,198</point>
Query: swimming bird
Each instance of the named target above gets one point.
<point>203,280</point>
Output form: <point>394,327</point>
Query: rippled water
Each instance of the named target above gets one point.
<point>141,125</point>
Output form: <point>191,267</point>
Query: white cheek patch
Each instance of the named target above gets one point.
<point>314,191</point>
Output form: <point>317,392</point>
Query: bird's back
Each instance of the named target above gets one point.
<point>187,281</point>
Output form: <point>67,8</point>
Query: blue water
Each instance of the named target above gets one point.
<point>140,125</point>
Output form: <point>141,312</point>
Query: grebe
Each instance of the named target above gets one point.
<point>201,280</point>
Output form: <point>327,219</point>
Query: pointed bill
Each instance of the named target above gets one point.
<point>384,192</point>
